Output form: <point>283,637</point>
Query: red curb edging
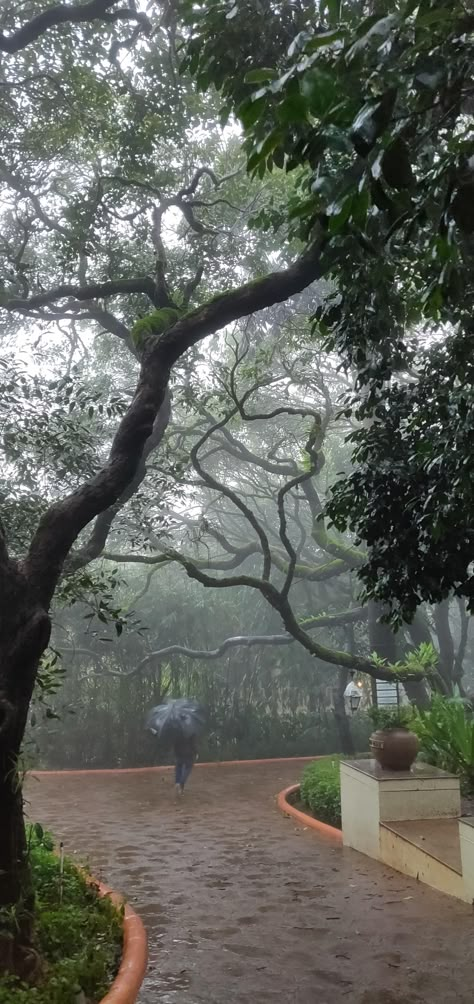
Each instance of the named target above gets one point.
<point>315,824</point>
<point>127,983</point>
<point>168,767</point>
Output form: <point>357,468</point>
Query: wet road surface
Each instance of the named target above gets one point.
<point>243,906</point>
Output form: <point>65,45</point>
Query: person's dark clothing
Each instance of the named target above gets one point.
<point>185,755</point>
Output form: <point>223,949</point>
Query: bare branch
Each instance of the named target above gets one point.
<point>239,641</point>
<point>293,627</point>
<point>164,558</point>
<point>110,323</point>
<point>200,173</point>
<point>314,443</point>
<point>212,482</point>
<point>191,286</point>
<point>344,617</point>
<point>162,295</point>
<point>63,14</point>
<point>133,183</point>
<point>344,552</point>
<point>23,190</point>
<point>92,291</point>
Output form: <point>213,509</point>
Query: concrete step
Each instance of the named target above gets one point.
<point>427,849</point>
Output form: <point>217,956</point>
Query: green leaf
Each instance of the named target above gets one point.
<point>267,145</point>
<point>333,8</point>
<point>433,16</point>
<point>319,87</point>
<point>38,831</point>
<point>259,76</point>
<point>293,108</point>
<point>360,206</point>
<point>249,111</point>
<point>340,214</point>
<point>326,38</point>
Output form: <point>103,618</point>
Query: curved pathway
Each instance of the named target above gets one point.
<point>243,906</point>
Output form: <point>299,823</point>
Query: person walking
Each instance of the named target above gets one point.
<point>178,723</point>
<point>185,753</point>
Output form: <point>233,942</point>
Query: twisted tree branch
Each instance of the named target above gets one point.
<point>64,14</point>
<point>62,523</point>
<point>92,291</point>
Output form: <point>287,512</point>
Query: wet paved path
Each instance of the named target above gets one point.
<point>243,906</point>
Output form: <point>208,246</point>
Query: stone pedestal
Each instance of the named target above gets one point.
<point>466,840</point>
<point>371,796</point>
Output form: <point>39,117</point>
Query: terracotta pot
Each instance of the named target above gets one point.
<point>394,749</point>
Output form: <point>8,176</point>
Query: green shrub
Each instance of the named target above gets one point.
<point>79,935</point>
<point>320,790</point>
<point>446,735</point>
<point>391,717</point>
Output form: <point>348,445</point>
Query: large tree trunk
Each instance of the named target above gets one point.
<point>382,639</point>
<point>24,635</point>
<point>17,952</point>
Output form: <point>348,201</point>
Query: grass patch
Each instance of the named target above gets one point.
<point>320,790</point>
<point>78,938</point>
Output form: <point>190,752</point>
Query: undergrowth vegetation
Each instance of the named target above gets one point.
<point>446,735</point>
<point>320,790</point>
<point>79,935</point>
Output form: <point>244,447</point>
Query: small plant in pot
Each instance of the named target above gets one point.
<point>393,745</point>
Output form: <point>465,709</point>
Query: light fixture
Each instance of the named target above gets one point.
<point>352,696</point>
<point>354,700</point>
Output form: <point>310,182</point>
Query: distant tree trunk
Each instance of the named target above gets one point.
<point>419,631</point>
<point>341,719</point>
<point>458,669</point>
<point>445,643</point>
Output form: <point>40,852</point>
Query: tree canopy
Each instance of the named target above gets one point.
<point>371,106</point>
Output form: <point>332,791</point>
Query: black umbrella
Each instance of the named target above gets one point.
<point>184,716</point>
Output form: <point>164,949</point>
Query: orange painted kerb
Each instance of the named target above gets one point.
<point>315,824</point>
<point>127,983</point>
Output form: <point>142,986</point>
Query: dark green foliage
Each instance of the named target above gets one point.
<point>411,494</point>
<point>374,110</point>
<point>320,789</point>
<point>446,735</point>
<point>353,100</point>
<point>391,718</point>
<point>79,939</point>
